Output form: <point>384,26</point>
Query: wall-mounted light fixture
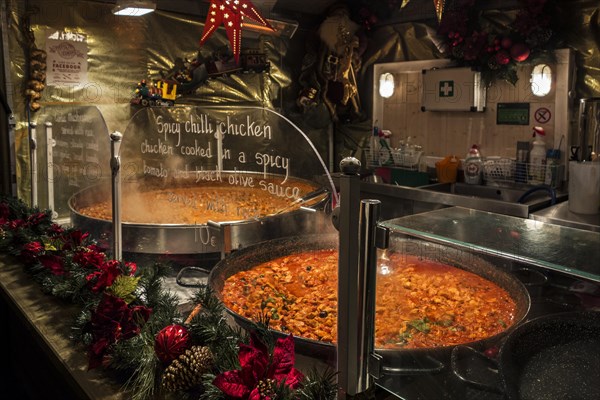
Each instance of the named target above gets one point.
<point>541,80</point>
<point>134,8</point>
<point>386,85</point>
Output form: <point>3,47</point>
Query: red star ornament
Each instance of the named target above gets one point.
<point>231,13</point>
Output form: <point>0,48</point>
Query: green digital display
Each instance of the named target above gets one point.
<point>512,114</point>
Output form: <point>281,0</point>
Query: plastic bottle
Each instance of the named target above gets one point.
<point>522,160</point>
<point>385,151</point>
<point>552,163</point>
<point>537,157</point>
<point>374,145</point>
<point>473,168</point>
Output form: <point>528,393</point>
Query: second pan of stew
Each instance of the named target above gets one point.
<point>426,293</point>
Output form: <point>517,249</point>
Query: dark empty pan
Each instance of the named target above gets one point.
<point>554,357</point>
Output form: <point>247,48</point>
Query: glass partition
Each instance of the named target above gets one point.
<point>572,251</point>
<point>211,179</point>
<point>452,286</point>
<point>72,153</point>
<point>202,143</point>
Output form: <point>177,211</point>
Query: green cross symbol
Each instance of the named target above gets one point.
<point>446,88</point>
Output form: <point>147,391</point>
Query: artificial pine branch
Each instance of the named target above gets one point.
<point>211,392</point>
<point>211,328</point>
<point>143,382</point>
<point>318,385</point>
<point>74,288</point>
<point>78,333</point>
<point>151,283</point>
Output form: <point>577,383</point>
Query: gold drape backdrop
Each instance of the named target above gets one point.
<point>124,50</point>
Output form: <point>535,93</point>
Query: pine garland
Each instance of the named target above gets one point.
<point>211,328</point>
<point>67,264</point>
<point>318,385</point>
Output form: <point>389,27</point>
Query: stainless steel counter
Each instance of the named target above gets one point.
<point>559,214</point>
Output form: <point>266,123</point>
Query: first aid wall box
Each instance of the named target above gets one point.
<point>452,89</point>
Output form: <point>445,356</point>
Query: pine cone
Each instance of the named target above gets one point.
<point>186,371</point>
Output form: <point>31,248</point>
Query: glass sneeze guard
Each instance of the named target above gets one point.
<point>571,251</point>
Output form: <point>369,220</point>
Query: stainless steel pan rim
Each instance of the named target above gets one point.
<point>212,237</point>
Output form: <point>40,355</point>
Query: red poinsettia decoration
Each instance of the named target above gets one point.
<point>72,239</point>
<point>231,13</point>
<point>106,273</point>
<point>30,251</point>
<point>53,263</point>
<point>90,256</point>
<point>36,218</point>
<point>113,320</point>
<point>261,373</point>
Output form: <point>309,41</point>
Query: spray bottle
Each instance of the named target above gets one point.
<point>537,157</point>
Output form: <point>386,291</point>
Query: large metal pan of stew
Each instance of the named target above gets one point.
<point>429,297</point>
<point>188,217</point>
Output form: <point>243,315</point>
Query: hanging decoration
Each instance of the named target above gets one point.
<point>470,41</point>
<point>439,8</point>
<point>231,14</point>
<point>35,73</point>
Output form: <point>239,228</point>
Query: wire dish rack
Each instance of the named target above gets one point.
<point>394,158</point>
<point>506,170</point>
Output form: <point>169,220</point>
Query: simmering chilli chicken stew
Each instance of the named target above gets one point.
<point>198,205</point>
<point>420,303</point>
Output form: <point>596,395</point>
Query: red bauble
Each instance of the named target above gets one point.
<point>520,52</point>
<point>506,43</point>
<point>171,342</point>
<point>502,57</point>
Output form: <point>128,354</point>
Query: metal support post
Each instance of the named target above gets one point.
<point>33,161</point>
<point>7,90</point>
<point>115,166</point>
<point>50,143</point>
<point>356,286</point>
<point>12,124</point>
<point>367,280</point>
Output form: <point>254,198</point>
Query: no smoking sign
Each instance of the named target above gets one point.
<point>542,115</point>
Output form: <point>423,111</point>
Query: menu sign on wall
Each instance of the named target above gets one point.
<point>67,54</point>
